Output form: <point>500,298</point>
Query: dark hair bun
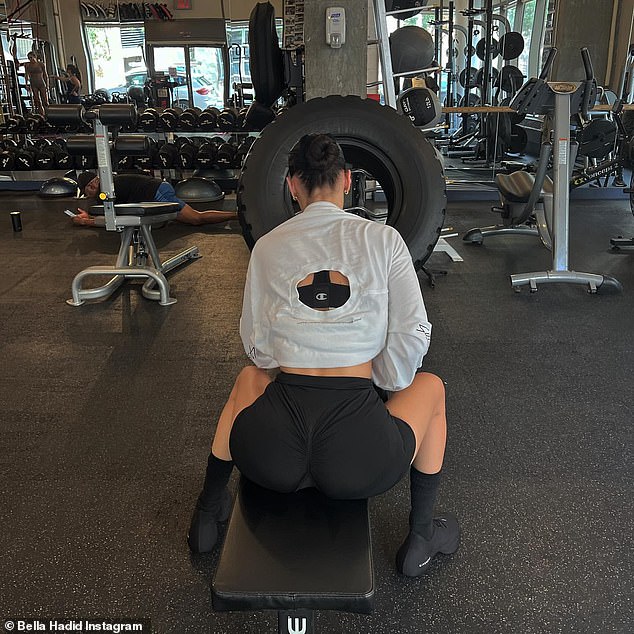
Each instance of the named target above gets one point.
<point>317,159</point>
<point>322,153</point>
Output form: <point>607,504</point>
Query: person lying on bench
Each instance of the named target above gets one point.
<point>333,301</point>
<point>139,188</point>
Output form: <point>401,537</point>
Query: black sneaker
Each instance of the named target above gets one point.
<point>203,530</point>
<point>415,555</point>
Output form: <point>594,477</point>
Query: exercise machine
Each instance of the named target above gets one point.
<point>134,221</point>
<point>562,99</point>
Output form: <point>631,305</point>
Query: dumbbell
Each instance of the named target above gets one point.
<point>125,162</point>
<point>147,161</point>
<point>35,122</point>
<point>149,120</point>
<point>86,161</point>
<point>44,155</point>
<point>15,124</point>
<point>206,155</point>
<point>169,118</point>
<point>228,119</point>
<point>208,119</point>
<point>242,115</point>
<point>168,155</point>
<point>187,152</point>
<point>63,160</point>
<point>24,158</point>
<point>188,119</point>
<point>7,159</point>
<point>226,155</point>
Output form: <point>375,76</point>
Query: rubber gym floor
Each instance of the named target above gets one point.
<point>108,411</point>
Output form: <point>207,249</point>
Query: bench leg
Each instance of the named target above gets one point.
<point>295,622</point>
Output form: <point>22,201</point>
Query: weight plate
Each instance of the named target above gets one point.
<point>510,79</point>
<point>481,48</point>
<point>511,45</point>
<point>471,101</point>
<point>462,78</point>
<point>515,117</point>
<point>597,139</point>
<point>480,77</point>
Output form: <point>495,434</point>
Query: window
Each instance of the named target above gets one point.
<point>528,21</point>
<point>116,54</point>
<point>23,43</point>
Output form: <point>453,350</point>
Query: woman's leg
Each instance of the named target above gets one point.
<point>44,97</point>
<point>214,502</point>
<point>249,386</point>
<point>422,407</point>
<point>37,102</point>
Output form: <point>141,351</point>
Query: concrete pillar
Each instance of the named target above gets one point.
<point>583,23</point>
<point>332,71</point>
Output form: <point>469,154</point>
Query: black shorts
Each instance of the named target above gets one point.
<point>333,433</point>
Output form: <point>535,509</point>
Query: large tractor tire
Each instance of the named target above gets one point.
<point>374,138</point>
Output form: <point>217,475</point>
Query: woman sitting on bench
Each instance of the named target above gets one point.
<point>332,301</point>
<point>140,188</point>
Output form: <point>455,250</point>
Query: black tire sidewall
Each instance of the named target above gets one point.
<point>417,209</point>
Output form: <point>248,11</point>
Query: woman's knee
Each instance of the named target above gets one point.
<point>432,384</point>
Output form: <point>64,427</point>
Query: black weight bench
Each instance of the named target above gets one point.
<point>295,553</point>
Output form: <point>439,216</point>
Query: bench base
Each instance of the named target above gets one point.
<point>137,248</point>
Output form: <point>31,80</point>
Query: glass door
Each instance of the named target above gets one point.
<point>196,74</point>
<point>207,76</point>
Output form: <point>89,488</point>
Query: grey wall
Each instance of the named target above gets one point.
<point>622,41</point>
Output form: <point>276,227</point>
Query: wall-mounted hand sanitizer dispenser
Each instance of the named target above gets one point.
<point>335,26</point>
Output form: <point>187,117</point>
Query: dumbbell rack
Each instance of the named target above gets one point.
<point>227,177</point>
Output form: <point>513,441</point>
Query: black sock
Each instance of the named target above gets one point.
<point>423,490</point>
<point>216,479</point>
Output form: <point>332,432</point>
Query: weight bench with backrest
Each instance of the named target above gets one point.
<point>138,257</point>
<point>295,553</point>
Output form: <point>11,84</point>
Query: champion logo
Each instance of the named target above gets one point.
<point>321,297</point>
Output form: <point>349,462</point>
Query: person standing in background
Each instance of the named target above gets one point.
<point>37,79</point>
<point>72,83</point>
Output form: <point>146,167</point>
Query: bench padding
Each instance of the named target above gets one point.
<point>298,550</point>
<point>138,209</point>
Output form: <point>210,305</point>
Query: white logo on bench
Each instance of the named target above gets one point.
<point>294,628</point>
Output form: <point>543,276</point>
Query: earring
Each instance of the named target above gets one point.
<point>294,198</point>
<point>346,191</point>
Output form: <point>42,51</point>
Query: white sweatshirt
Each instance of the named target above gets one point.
<point>384,320</point>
